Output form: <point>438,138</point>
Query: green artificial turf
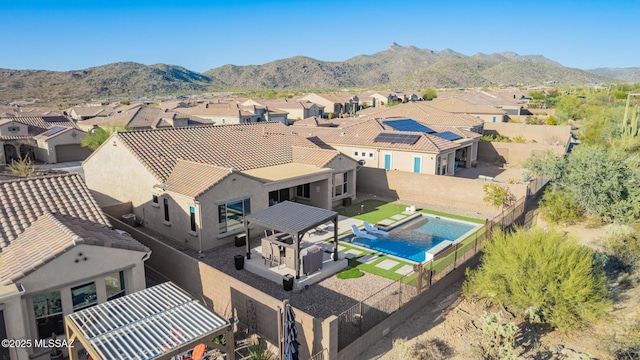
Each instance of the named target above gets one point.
<point>350,274</point>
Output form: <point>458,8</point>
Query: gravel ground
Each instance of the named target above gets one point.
<point>331,296</point>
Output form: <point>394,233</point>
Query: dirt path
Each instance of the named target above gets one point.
<point>458,330</point>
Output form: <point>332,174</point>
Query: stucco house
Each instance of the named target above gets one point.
<point>143,117</point>
<point>426,114</point>
<point>80,113</point>
<point>222,113</point>
<point>296,109</point>
<point>400,144</point>
<point>196,184</point>
<point>49,139</point>
<point>486,113</point>
<point>335,104</point>
<point>59,254</point>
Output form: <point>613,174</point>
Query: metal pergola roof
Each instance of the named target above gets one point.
<point>295,219</point>
<point>291,217</point>
<point>154,323</point>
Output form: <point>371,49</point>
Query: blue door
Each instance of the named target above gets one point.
<point>387,161</point>
<point>416,165</point>
<point>494,119</point>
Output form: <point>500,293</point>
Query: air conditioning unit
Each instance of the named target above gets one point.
<point>129,219</point>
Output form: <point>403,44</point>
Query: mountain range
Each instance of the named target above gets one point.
<point>398,67</point>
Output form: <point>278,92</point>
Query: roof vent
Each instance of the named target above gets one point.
<point>342,133</point>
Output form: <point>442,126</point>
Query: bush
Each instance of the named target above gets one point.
<point>498,339</point>
<point>623,243</point>
<point>545,271</point>
<point>558,207</point>
<point>551,121</point>
<point>421,350</point>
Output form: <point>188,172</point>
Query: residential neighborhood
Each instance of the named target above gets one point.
<point>316,181</point>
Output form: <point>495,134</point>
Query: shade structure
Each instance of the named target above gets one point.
<point>155,323</point>
<point>294,219</point>
<point>290,334</point>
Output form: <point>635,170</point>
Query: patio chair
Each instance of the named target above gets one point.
<point>267,251</point>
<point>362,234</point>
<point>374,230</point>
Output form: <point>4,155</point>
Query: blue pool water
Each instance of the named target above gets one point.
<point>413,239</point>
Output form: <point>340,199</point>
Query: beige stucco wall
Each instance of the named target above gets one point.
<point>4,129</point>
<point>450,192</point>
<point>46,150</point>
<point>542,134</point>
<point>234,187</point>
<point>114,176</point>
<point>513,153</point>
<point>63,273</point>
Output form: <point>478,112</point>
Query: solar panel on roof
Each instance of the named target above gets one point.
<point>54,130</point>
<point>408,125</point>
<point>448,135</point>
<point>397,138</point>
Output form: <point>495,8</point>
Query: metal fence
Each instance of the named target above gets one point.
<point>322,355</point>
<point>366,314</point>
<point>363,316</point>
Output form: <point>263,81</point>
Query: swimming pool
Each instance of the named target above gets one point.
<point>413,239</point>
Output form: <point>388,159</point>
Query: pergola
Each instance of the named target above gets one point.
<point>294,219</point>
<point>156,323</point>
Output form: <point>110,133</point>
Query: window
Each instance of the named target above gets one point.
<point>47,309</point>
<point>355,153</point>
<point>231,215</point>
<point>370,155</point>
<point>115,285</point>
<point>340,184</point>
<point>278,196</point>
<point>13,128</point>
<point>192,213</point>
<point>166,209</point>
<point>303,191</point>
<point>84,296</point>
<point>155,199</point>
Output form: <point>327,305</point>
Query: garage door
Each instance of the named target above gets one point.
<point>71,152</point>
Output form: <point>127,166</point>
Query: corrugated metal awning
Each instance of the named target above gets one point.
<point>147,324</point>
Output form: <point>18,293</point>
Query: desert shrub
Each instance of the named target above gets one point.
<point>498,338</point>
<point>544,270</point>
<point>421,350</point>
<point>551,121</point>
<point>624,344</point>
<point>519,139</point>
<point>495,138</point>
<point>23,167</point>
<point>558,207</point>
<point>623,242</point>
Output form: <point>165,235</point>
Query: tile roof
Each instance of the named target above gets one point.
<point>283,103</point>
<point>92,110</point>
<point>423,112</point>
<point>340,98</point>
<point>192,179</point>
<point>217,109</point>
<point>454,105</point>
<point>317,157</point>
<point>236,146</point>
<point>26,199</point>
<point>40,124</point>
<point>314,121</point>
<point>141,116</point>
<point>363,133</point>
<point>49,236</point>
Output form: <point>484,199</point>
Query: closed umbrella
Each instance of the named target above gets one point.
<point>290,334</point>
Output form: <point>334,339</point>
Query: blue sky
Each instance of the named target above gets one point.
<point>200,35</point>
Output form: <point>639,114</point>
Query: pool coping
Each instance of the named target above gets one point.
<point>476,227</point>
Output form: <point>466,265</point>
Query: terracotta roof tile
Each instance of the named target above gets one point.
<point>40,124</point>
<point>142,116</point>
<point>456,106</point>
<point>238,146</point>
<point>24,200</point>
<point>363,133</point>
<point>192,179</point>
<point>51,235</point>
<point>423,112</point>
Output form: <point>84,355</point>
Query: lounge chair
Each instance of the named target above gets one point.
<point>374,230</point>
<point>363,234</point>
